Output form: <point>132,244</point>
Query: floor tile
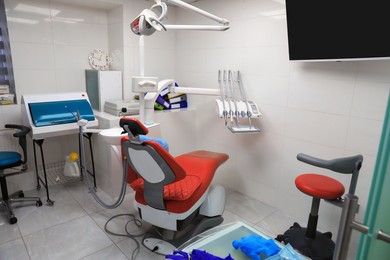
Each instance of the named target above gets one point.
<point>117,224</point>
<point>277,223</point>
<point>128,246</point>
<point>111,252</point>
<point>32,219</point>
<point>80,192</point>
<point>7,232</point>
<point>71,240</point>
<point>249,209</point>
<point>229,217</point>
<point>14,249</point>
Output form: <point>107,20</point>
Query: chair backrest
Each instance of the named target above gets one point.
<point>151,162</point>
<point>346,165</point>
<point>21,135</point>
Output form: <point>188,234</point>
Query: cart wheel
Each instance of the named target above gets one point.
<point>13,220</point>
<point>39,203</point>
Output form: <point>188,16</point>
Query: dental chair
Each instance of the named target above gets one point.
<point>8,160</point>
<point>173,194</point>
<point>309,241</point>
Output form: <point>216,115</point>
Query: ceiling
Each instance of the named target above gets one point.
<point>98,4</point>
<point>102,4</point>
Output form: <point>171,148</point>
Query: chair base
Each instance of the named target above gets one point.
<point>17,197</point>
<point>319,248</point>
<point>163,241</point>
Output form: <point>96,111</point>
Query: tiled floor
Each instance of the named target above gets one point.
<point>74,227</point>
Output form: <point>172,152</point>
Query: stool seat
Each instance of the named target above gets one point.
<point>319,186</point>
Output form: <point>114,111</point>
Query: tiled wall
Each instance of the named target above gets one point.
<point>50,44</point>
<point>325,109</point>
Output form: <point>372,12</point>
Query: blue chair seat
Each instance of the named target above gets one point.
<point>9,158</point>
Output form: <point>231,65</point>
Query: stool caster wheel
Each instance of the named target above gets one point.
<point>38,203</point>
<point>13,220</point>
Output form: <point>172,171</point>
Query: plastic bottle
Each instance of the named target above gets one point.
<point>71,168</point>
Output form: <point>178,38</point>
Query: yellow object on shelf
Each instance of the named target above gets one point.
<point>73,156</point>
<point>71,168</point>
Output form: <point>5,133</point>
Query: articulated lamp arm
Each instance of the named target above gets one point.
<point>150,20</point>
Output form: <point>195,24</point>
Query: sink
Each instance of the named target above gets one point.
<point>112,136</point>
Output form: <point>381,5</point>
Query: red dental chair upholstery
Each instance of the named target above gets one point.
<point>308,240</point>
<point>172,193</point>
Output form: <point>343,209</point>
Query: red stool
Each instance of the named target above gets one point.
<point>309,241</point>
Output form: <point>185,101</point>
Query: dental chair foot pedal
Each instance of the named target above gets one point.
<point>158,246</point>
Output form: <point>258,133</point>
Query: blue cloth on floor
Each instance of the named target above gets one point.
<point>195,255</point>
<point>254,245</point>
<point>160,141</point>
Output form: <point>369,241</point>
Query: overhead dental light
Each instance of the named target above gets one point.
<point>150,20</point>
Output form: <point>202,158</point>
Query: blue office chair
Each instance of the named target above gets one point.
<point>8,160</point>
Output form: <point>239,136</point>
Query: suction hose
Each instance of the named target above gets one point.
<point>82,123</point>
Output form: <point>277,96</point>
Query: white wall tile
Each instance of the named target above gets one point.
<point>34,81</point>
<point>32,56</point>
<point>191,60</point>
<point>70,13</point>
<point>363,135</point>
<point>71,57</point>
<point>115,15</point>
<point>370,100</point>
<point>376,71</point>
<point>260,157</point>
<point>320,128</point>
<point>82,34</point>
<point>70,80</point>
<point>329,96</point>
<point>325,70</point>
<point>273,119</point>
<point>222,59</point>
<point>268,90</point>
<point>39,32</point>
<point>266,61</point>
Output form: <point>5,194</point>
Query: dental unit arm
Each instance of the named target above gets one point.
<point>150,20</point>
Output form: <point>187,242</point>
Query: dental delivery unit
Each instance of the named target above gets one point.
<point>231,105</point>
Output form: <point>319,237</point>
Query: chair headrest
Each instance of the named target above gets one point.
<point>134,125</point>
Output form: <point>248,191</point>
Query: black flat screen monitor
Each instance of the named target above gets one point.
<point>338,29</point>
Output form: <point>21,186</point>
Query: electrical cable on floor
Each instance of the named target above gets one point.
<point>137,222</point>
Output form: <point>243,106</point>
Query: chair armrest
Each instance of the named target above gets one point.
<point>24,130</point>
<point>341,165</point>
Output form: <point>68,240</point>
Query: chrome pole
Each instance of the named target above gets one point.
<point>347,223</point>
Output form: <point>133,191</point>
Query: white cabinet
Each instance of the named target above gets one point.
<point>103,86</point>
